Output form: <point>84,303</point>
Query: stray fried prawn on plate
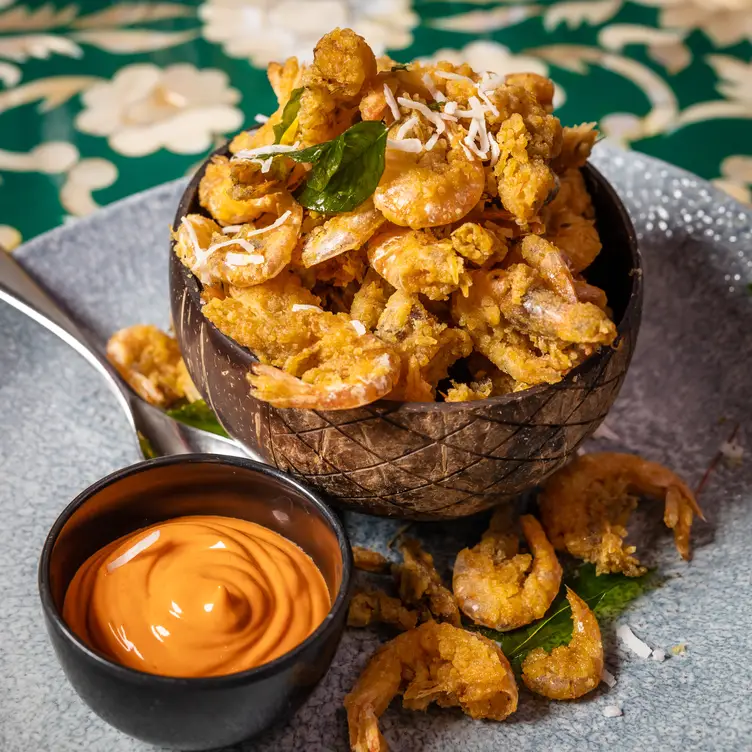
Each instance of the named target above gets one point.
<point>456,190</point>
<point>497,586</point>
<point>432,663</point>
<point>585,507</point>
<point>568,671</point>
<point>374,606</point>
<point>420,585</point>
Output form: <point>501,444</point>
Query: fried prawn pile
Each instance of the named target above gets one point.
<point>458,277</point>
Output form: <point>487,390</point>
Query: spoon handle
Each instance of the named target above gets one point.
<point>18,289</point>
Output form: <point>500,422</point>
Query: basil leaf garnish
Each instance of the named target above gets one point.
<point>289,113</point>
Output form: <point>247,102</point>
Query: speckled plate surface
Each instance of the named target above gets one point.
<point>689,385</point>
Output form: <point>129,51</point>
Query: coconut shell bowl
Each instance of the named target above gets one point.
<point>423,460</point>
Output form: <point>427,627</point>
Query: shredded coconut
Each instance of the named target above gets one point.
<point>134,551</point>
<point>732,452</point>
<point>632,642</point>
<point>243,259</point>
<point>302,307</point>
<point>392,102</point>
<point>231,228</point>
<point>434,117</point>
<point>612,711</point>
<point>495,150</point>
<point>450,107</point>
<point>414,145</point>
<point>453,76</point>
<point>261,118</point>
<point>608,678</point>
<point>432,142</point>
<point>258,151</point>
<point>406,127</point>
<point>266,164</point>
<point>432,90</point>
<point>358,326</point>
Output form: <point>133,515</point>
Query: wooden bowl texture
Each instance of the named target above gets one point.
<point>423,461</point>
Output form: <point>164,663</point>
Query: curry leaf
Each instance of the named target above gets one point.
<point>289,113</point>
<point>199,415</point>
<point>348,172</point>
<point>607,595</point>
<point>345,171</point>
<point>399,67</point>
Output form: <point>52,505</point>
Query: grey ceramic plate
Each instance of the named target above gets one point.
<point>688,386</point>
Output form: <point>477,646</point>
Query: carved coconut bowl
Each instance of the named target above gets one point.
<point>426,461</point>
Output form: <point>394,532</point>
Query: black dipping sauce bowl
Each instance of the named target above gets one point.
<point>194,713</point>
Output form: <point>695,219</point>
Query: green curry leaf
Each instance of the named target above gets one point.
<point>199,415</point>
<point>345,171</point>
<point>348,172</point>
<point>607,595</point>
<point>289,113</point>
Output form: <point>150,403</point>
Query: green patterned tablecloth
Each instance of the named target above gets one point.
<point>99,100</point>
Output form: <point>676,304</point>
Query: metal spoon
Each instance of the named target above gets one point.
<point>165,435</point>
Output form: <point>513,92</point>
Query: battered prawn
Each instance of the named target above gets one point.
<point>373,606</point>
<point>370,300</point>
<point>341,233</point>
<point>420,584</point>
<point>548,260</point>
<point>577,144</point>
<point>259,251</point>
<point>568,671</point>
<point>342,370</point>
<point>427,347</point>
<point>585,507</point>
<point>429,188</point>
<point>479,244</point>
<point>432,663</point>
<point>500,588</point>
<point>150,362</point>
<point>525,301</point>
<point>214,193</point>
<point>415,261</point>
<point>343,66</point>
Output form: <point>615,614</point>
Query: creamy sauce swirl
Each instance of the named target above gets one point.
<point>197,596</point>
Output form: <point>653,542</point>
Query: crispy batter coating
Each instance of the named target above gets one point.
<point>557,335</point>
<point>568,671</point>
<point>430,188</point>
<point>370,561</point>
<point>479,244</point>
<point>479,177</point>
<point>529,138</point>
<point>585,507</point>
<point>500,588</point>
<point>570,221</point>
<point>343,65</point>
<point>415,261</point>
<point>427,347</point>
<point>261,318</point>
<point>374,606</point>
<point>420,584</point>
<point>551,264</point>
<point>370,300</point>
<point>576,146</point>
<point>150,361</point>
<point>432,663</point>
<point>214,195</point>
<point>343,232</point>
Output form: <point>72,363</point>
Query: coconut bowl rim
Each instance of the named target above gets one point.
<point>246,357</point>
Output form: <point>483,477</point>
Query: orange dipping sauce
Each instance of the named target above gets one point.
<point>197,596</point>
